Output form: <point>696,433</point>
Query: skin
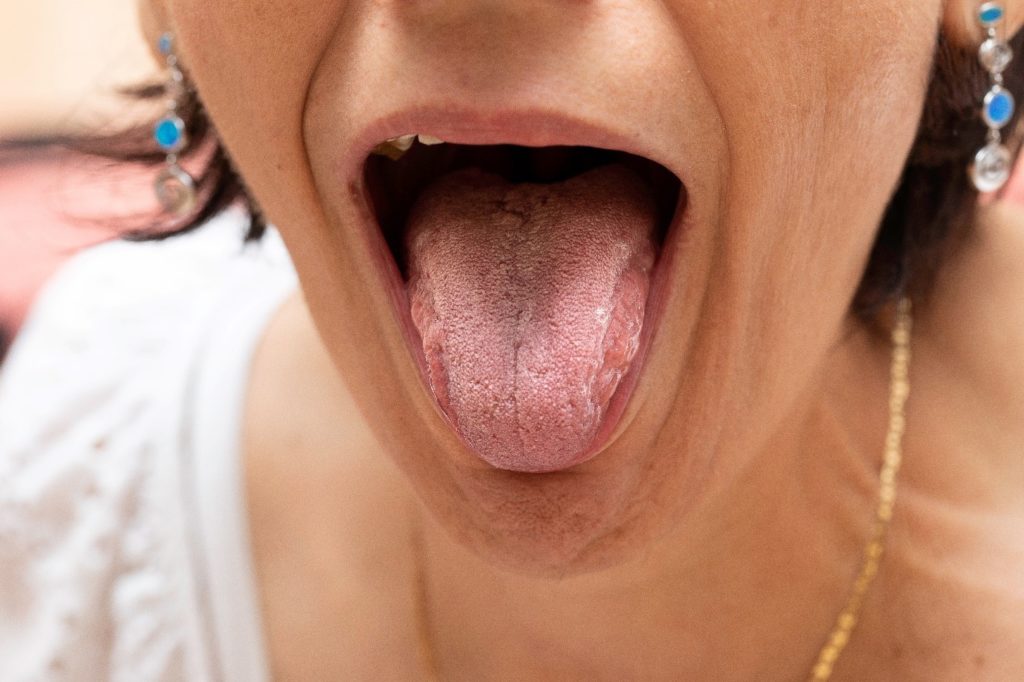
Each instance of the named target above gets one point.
<point>718,533</point>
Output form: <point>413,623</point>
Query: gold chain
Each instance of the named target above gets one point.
<point>899,391</point>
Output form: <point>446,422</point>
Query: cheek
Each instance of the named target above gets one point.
<point>819,104</point>
<point>252,62</point>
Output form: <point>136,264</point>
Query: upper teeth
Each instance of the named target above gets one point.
<point>396,147</point>
<point>402,143</point>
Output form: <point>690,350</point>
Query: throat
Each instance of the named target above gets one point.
<point>689,610</point>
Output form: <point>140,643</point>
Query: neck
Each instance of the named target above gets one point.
<point>748,586</point>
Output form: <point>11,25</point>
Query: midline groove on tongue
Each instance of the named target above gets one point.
<point>529,300</point>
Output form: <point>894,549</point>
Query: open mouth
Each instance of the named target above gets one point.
<point>528,273</point>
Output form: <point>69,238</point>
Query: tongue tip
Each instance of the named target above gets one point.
<point>532,436</point>
<point>532,445</point>
<point>533,461</point>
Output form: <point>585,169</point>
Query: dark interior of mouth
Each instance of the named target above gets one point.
<point>394,185</point>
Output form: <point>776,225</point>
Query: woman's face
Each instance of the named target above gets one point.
<point>787,122</point>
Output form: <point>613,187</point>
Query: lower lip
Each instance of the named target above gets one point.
<point>661,281</point>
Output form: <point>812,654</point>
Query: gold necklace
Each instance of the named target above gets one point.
<point>899,391</point>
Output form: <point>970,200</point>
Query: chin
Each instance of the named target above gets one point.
<point>567,523</point>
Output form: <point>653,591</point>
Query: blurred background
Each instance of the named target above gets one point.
<point>61,64</point>
<point>56,54</point>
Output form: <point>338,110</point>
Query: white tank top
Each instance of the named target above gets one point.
<point>124,545</point>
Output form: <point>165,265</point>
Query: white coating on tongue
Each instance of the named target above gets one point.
<point>529,300</point>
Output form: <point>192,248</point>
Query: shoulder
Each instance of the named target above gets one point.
<point>91,397</point>
<point>321,493</point>
<point>951,596</point>
<point>985,274</point>
<point>306,445</point>
<point>975,321</point>
<point>968,374</point>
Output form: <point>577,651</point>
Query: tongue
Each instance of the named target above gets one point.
<point>529,300</point>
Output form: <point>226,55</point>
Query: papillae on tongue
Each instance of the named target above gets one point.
<point>529,300</point>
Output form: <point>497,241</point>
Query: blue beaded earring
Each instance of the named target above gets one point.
<point>175,188</point>
<point>993,163</point>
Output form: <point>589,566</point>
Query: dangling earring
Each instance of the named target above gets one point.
<point>175,188</point>
<point>993,163</point>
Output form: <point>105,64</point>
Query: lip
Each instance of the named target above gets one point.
<point>458,124</point>
<point>529,128</point>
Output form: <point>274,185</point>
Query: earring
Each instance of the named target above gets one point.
<point>993,163</point>
<point>175,188</point>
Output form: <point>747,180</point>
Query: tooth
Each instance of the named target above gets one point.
<point>404,143</point>
<point>396,147</point>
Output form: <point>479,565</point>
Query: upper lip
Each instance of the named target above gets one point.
<point>461,124</point>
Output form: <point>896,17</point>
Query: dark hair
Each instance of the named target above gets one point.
<point>927,217</point>
<point>5,340</point>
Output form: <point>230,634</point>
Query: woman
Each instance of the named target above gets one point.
<point>590,376</point>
